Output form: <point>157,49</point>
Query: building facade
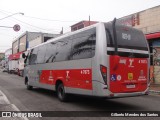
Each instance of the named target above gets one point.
<point>2,56</point>
<point>8,52</point>
<point>28,40</point>
<point>82,24</point>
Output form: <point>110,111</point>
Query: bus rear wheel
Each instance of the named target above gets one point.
<point>62,96</point>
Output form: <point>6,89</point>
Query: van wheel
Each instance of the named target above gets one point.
<point>29,87</point>
<point>62,96</point>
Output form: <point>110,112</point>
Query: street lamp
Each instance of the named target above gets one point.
<point>15,27</point>
<point>12,15</point>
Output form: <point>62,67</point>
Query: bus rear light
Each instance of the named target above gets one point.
<point>103,70</point>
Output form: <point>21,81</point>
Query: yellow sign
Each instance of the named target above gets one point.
<point>130,76</point>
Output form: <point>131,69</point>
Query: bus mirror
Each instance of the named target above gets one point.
<point>116,60</point>
<point>23,55</point>
<point>25,60</point>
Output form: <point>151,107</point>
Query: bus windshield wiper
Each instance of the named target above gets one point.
<point>115,36</point>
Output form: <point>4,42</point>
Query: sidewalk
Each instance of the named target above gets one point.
<point>5,106</point>
<point>154,88</point>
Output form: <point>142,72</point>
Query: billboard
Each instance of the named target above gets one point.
<point>15,47</point>
<point>22,43</point>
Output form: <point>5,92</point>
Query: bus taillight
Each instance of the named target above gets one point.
<point>104,73</point>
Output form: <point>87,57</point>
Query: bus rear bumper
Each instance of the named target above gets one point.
<point>102,90</point>
<point>131,94</point>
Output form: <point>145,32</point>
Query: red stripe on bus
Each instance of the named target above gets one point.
<point>75,78</point>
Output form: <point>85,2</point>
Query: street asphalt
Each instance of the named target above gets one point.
<point>12,86</point>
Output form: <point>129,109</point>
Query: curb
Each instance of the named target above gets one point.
<point>154,91</point>
<point>7,106</point>
<point>3,98</point>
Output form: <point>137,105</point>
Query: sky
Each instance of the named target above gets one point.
<point>50,16</point>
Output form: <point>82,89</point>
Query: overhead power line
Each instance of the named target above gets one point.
<point>11,15</point>
<point>30,24</point>
<point>41,18</point>
<point>6,35</point>
<point>48,19</point>
<point>36,27</point>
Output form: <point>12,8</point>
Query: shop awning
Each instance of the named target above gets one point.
<point>15,56</point>
<point>153,36</point>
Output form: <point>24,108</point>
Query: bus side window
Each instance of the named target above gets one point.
<point>33,56</point>
<point>50,52</point>
<point>92,39</point>
<point>41,54</point>
<point>83,45</point>
<point>63,50</point>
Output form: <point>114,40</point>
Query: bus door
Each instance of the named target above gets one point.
<point>32,68</point>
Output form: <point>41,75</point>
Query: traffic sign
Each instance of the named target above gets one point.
<point>16,27</point>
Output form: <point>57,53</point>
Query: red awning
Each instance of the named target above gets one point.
<point>153,36</point>
<point>15,56</point>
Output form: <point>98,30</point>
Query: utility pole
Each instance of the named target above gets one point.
<point>11,15</point>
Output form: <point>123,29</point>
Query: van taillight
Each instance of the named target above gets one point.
<point>103,70</point>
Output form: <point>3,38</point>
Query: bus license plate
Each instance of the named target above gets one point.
<point>130,86</point>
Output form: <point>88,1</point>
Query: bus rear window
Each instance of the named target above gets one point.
<point>127,37</point>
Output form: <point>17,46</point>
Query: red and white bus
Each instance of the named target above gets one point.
<point>103,60</point>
